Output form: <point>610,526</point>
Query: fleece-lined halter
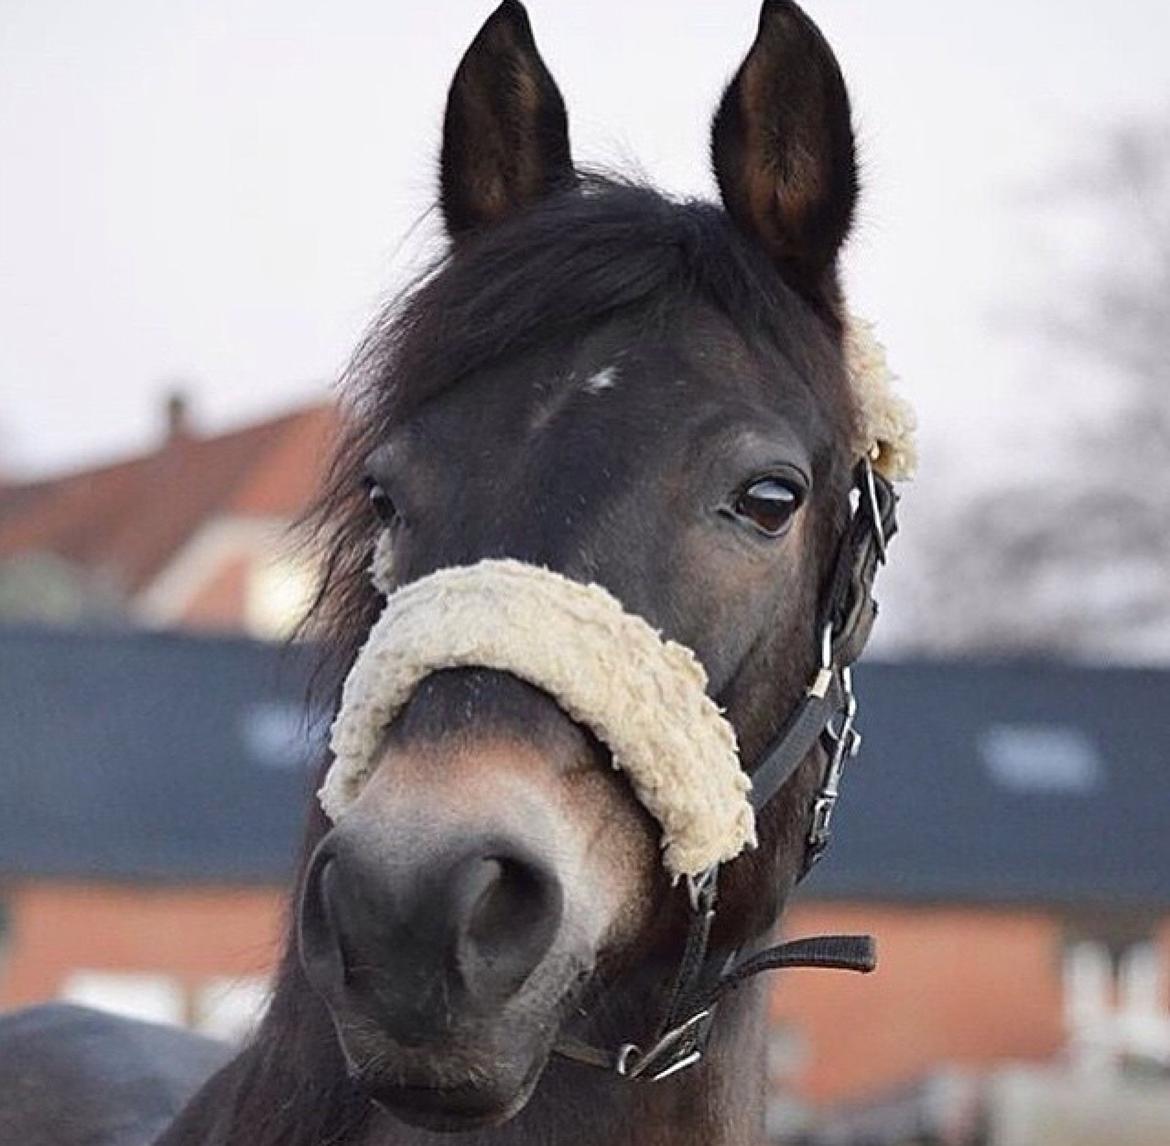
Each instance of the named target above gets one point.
<point>642,696</point>
<point>645,698</point>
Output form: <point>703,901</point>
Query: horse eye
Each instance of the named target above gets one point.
<point>380,502</point>
<point>768,504</point>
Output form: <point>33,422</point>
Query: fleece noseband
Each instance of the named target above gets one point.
<point>646,699</point>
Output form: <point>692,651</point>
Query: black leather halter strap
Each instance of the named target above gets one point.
<point>824,716</point>
<point>848,612</point>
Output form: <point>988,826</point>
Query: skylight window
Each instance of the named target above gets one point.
<point>1042,758</point>
<point>277,734</point>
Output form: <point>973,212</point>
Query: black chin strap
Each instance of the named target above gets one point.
<point>825,716</point>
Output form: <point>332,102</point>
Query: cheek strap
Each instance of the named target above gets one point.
<point>825,716</point>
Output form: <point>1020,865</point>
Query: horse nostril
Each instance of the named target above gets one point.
<point>318,940</point>
<point>511,908</point>
<point>408,943</point>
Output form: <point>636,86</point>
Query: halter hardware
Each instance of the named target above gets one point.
<point>846,743</point>
<point>632,1062</point>
<point>826,716</point>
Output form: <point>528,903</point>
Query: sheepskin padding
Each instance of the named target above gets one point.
<point>887,424</point>
<point>643,696</point>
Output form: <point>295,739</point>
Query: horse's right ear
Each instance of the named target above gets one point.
<point>505,134</point>
<point>782,146</point>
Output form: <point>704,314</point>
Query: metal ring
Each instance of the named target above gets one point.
<point>622,1064</point>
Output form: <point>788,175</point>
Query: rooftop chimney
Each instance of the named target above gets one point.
<point>178,416</point>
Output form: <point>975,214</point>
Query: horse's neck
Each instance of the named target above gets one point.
<point>720,1103</point>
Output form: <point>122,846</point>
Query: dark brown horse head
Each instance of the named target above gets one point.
<point>629,390</point>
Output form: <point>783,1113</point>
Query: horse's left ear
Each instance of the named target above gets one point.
<point>505,134</point>
<point>782,146</point>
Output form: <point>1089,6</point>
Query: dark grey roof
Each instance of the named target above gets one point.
<point>158,756</point>
<point>178,757</point>
<point>1006,782</point>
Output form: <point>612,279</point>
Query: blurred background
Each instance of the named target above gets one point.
<point>202,206</point>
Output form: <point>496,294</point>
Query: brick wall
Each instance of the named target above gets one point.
<point>965,987</point>
<point>195,936</point>
<point>968,987</point>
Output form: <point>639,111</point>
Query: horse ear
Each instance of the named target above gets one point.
<point>505,133</point>
<point>782,146</point>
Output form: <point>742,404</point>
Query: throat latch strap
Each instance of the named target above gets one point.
<point>824,952</point>
<point>684,1041</point>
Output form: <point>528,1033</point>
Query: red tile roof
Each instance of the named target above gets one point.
<point>127,520</point>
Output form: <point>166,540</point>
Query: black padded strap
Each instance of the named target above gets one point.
<point>795,741</point>
<point>579,1051</point>
<point>847,604</point>
<point>825,952</point>
<point>688,979</point>
<point>847,612</point>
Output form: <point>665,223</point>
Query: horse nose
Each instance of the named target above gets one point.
<point>413,945</point>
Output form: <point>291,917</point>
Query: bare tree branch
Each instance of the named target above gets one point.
<point>1079,562</point>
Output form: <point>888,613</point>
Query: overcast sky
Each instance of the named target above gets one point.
<point>217,191</point>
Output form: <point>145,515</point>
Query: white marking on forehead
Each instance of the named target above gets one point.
<point>604,379</point>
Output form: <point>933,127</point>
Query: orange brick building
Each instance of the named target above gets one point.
<point>199,956</point>
<point>192,534</point>
<point>154,787</point>
<point>967,987</point>
<point>1003,836</point>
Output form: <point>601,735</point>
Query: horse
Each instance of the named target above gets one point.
<point>71,1074</point>
<point>630,391</point>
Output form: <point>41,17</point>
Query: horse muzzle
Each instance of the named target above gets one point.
<point>449,921</point>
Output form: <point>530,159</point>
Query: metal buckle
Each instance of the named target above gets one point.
<point>701,889</point>
<point>847,714</point>
<point>632,1062</point>
<point>875,509</point>
<point>846,743</point>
